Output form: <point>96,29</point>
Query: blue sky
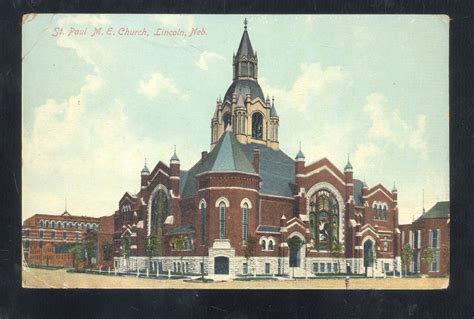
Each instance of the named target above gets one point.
<point>93,108</point>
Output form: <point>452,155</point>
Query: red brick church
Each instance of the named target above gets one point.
<point>314,217</point>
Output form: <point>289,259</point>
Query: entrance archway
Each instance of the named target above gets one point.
<point>221,265</point>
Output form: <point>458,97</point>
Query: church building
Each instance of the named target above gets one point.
<point>246,207</point>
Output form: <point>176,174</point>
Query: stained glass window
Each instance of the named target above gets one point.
<point>159,211</point>
<point>245,225</point>
<point>203,224</point>
<point>324,220</point>
<point>222,220</point>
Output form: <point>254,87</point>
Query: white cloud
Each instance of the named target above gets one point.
<point>363,154</point>
<point>86,49</point>
<point>387,125</point>
<point>205,57</point>
<point>313,81</point>
<point>157,84</point>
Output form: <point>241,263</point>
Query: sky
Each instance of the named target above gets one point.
<point>94,107</point>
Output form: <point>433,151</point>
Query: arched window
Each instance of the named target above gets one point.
<point>203,224</point>
<point>227,119</point>
<point>385,213</point>
<point>375,212</point>
<point>264,245</point>
<point>159,211</point>
<point>222,220</point>
<point>270,244</point>
<point>47,224</point>
<point>245,222</point>
<point>324,217</point>
<point>41,224</point>
<point>257,125</point>
<point>380,212</point>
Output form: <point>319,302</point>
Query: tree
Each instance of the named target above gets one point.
<point>428,255</point>
<point>406,256</point>
<point>250,248</point>
<point>337,251</point>
<point>153,247</point>
<point>78,254</point>
<point>179,244</point>
<point>126,245</point>
<point>90,249</point>
<point>107,250</point>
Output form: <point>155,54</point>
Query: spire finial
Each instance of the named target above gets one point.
<point>423,192</point>
<point>300,146</point>
<point>175,148</point>
<point>145,161</point>
<point>65,204</point>
<point>348,157</point>
<point>273,99</point>
<point>245,23</point>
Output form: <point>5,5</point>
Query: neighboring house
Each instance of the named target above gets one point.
<point>431,229</point>
<point>47,238</point>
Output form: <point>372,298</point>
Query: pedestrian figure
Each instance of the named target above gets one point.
<point>347,282</point>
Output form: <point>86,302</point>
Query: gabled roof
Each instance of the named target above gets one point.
<point>439,210</point>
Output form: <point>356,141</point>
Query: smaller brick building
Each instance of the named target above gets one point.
<point>431,229</point>
<point>48,238</point>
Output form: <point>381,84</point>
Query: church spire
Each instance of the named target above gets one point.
<point>245,60</point>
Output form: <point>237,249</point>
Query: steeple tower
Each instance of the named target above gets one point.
<point>253,118</point>
<point>245,62</point>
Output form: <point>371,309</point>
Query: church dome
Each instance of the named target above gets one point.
<point>244,87</point>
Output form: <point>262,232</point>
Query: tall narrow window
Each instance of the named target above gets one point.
<point>244,68</point>
<point>264,245</point>
<point>203,224</point>
<point>380,212</point>
<point>252,69</point>
<point>41,234</point>
<point>245,224</point>
<point>257,125</point>
<point>222,220</point>
<point>375,212</point>
<point>385,213</point>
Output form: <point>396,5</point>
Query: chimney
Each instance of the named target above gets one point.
<point>203,155</point>
<point>256,160</point>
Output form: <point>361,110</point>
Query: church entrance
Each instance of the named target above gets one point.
<point>221,265</point>
<point>368,255</point>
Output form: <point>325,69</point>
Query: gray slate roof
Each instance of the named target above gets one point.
<point>245,47</point>
<point>276,168</point>
<point>227,156</point>
<point>439,210</point>
<point>244,87</point>
<point>268,229</point>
